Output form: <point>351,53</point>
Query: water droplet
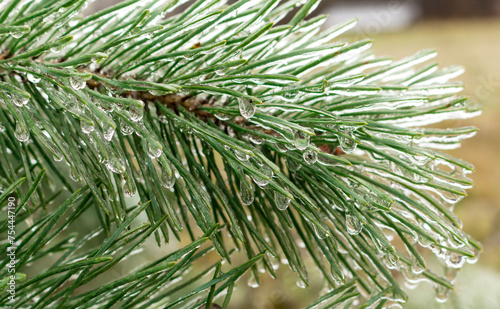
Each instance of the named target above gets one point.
<point>129,189</point>
<point>281,200</point>
<point>163,119</point>
<point>21,133</point>
<point>455,260</point>
<point>77,82</point>
<point>310,156</point>
<point>252,281</point>
<point>416,268</point>
<point>247,107</point>
<point>19,32</point>
<point>246,192</point>
<point>167,176</point>
<point>125,127</point>
<point>73,175</point>
<point>320,233</point>
<point>19,100</point>
<point>353,224</point>
<point>292,165</point>
<point>260,181</point>
<point>136,113</point>
<point>240,155</point>
<point>108,132</point>
<point>32,78</point>
<point>115,165</point>
<point>301,140</point>
<point>442,293</point>
<point>348,145</point>
<point>301,283</point>
<point>154,150</point>
<point>391,260</point>
<point>86,126</point>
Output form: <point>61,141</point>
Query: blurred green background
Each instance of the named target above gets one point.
<point>464,32</point>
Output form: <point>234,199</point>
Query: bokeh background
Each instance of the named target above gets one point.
<point>467,33</point>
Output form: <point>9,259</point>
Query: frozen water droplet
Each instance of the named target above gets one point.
<point>301,283</point>
<point>32,78</point>
<point>442,293</point>
<point>125,127</point>
<point>301,140</point>
<point>168,176</point>
<point>129,189</point>
<point>391,260</point>
<point>86,126</point>
<point>246,192</point>
<point>154,150</point>
<point>281,200</point>
<point>240,155</point>
<point>292,165</point>
<point>247,107</point>
<point>260,181</point>
<point>416,268</point>
<point>136,113</point>
<point>348,145</point>
<point>163,119</point>
<point>21,133</point>
<point>320,233</point>
<point>115,165</point>
<point>353,224</point>
<point>19,32</point>
<point>73,175</point>
<point>19,100</point>
<point>252,281</point>
<point>108,132</point>
<point>310,156</point>
<point>77,82</point>
<point>455,260</point>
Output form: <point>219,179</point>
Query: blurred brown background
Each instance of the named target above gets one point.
<point>465,32</point>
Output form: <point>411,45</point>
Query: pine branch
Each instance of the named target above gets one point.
<point>223,119</point>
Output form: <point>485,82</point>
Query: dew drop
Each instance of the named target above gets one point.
<point>310,156</point>
<point>353,224</point>
<point>281,200</point>
<point>301,140</point>
<point>246,192</point>
<point>247,107</point>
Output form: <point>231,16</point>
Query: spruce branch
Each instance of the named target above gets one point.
<point>223,119</point>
